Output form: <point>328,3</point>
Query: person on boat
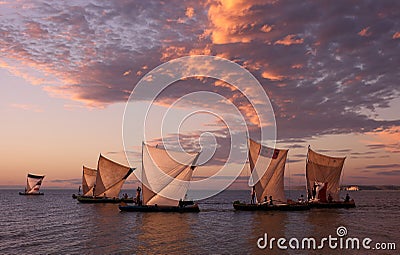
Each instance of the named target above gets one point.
<point>180,203</point>
<point>301,199</point>
<point>79,190</point>
<point>314,191</point>
<point>138,201</point>
<point>253,195</point>
<point>94,189</point>
<point>270,200</point>
<point>330,199</point>
<point>347,199</point>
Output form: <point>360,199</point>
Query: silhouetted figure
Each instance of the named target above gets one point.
<point>270,200</point>
<point>314,191</point>
<point>94,189</point>
<point>330,199</point>
<point>347,199</point>
<point>180,203</point>
<point>253,195</point>
<point>79,190</point>
<point>138,201</point>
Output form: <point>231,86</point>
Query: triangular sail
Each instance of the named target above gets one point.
<point>267,165</point>
<point>88,180</point>
<point>166,175</point>
<point>110,177</point>
<point>33,183</point>
<point>324,169</point>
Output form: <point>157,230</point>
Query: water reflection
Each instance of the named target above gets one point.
<point>164,233</point>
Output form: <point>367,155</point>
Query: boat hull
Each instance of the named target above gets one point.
<point>102,200</point>
<point>350,204</point>
<point>31,194</point>
<point>266,207</point>
<point>152,208</point>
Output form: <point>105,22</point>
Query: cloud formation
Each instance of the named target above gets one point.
<point>323,65</point>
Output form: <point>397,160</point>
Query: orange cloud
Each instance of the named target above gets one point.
<point>396,35</point>
<point>271,76</point>
<point>389,137</point>
<point>171,52</point>
<point>189,12</point>
<point>127,73</point>
<point>289,40</point>
<point>231,19</point>
<point>297,66</point>
<point>365,32</point>
<point>266,28</point>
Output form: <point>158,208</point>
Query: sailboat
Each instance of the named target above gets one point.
<point>323,176</point>
<point>110,176</point>
<point>88,181</point>
<point>165,180</point>
<point>267,165</point>
<point>33,183</point>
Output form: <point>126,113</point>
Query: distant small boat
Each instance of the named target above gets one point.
<point>110,176</point>
<point>33,183</point>
<point>323,176</point>
<point>163,179</point>
<point>269,163</point>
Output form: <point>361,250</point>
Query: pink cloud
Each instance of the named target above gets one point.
<point>289,40</point>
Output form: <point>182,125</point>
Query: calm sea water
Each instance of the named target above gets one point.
<point>57,224</point>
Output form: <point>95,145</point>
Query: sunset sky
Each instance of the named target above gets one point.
<point>330,68</point>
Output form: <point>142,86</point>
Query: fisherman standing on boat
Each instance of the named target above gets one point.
<point>94,189</point>
<point>79,190</point>
<point>347,199</point>
<point>314,191</point>
<point>253,195</point>
<point>270,200</point>
<point>138,201</point>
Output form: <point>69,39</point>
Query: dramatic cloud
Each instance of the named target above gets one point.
<point>324,66</point>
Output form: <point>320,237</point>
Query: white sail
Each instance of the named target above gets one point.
<point>324,169</point>
<point>166,175</point>
<point>267,165</point>
<point>33,183</point>
<point>88,180</point>
<point>110,177</point>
